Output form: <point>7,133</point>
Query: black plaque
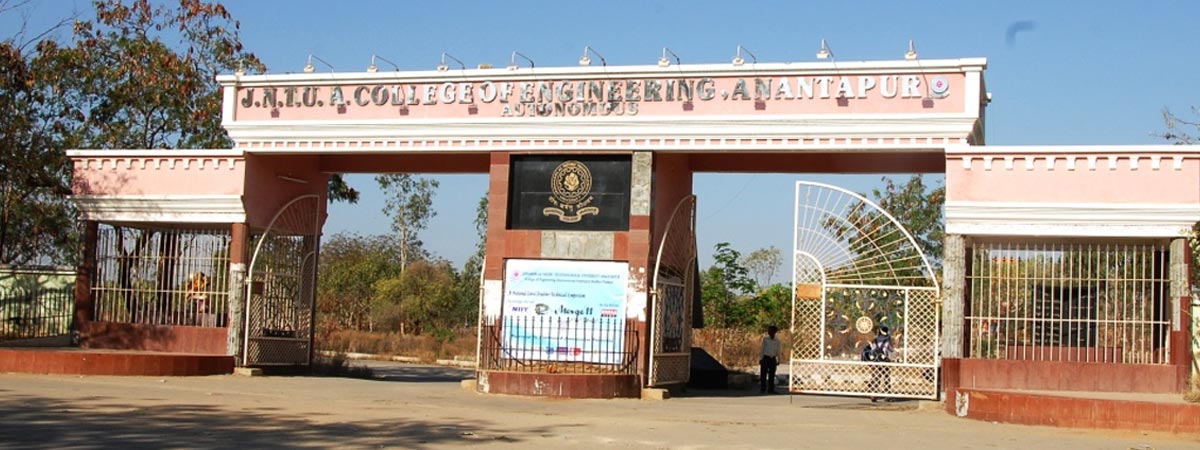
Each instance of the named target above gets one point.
<point>574,192</point>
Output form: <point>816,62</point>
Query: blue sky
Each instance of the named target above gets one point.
<point>1086,73</point>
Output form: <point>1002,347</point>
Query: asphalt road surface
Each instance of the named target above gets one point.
<point>423,407</point>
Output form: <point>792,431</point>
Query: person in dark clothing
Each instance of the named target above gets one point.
<point>768,361</point>
<point>880,353</point>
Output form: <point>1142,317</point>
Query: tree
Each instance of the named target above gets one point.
<point>771,306</point>
<point>763,264</point>
<point>420,299</point>
<point>468,280</point>
<point>409,203</point>
<point>722,287</point>
<point>144,76</point>
<point>880,252</point>
<point>1184,132</point>
<point>351,265</point>
<point>919,209</point>
<point>1179,131</point>
<point>35,218</point>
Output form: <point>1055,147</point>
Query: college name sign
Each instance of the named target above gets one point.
<point>588,98</point>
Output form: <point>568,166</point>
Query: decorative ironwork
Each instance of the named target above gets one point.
<point>1086,302</point>
<point>673,288</point>
<point>281,297</point>
<point>855,270</point>
<point>529,352</point>
<point>161,275</point>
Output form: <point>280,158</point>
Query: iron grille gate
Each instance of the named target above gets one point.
<point>673,289</point>
<point>281,288</point>
<point>855,271</point>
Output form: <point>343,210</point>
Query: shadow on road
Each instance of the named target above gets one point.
<point>420,374</point>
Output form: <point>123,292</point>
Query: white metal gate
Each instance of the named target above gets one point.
<point>281,288</point>
<point>673,289</point>
<point>856,270</point>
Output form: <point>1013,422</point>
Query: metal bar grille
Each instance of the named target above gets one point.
<point>559,345</point>
<point>162,276</point>
<point>36,312</point>
<point>1088,302</point>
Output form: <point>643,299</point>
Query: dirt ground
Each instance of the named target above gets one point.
<point>422,407</point>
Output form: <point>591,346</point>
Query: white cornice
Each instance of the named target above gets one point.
<point>948,126</point>
<point>162,208</point>
<point>154,153</point>
<point>985,150</point>
<point>614,120</point>
<point>1070,219</point>
<point>594,72</point>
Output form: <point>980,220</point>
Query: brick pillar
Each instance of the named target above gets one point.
<point>239,255</point>
<point>492,285</point>
<point>84,304</point>
<point>954,265</point>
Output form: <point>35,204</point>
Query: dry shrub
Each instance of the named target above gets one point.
<point>1194,394</point>
<point>737,349</point>
<point>458,344</point>
<point>337,366</point>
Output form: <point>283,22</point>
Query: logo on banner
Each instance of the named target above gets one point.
<point>570,189</point>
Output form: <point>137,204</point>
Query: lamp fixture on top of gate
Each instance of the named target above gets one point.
<point>442,67</point>
<point>308,68</point>
<point>911,54</point>
<point>824,52</point>
<point>373,68</point>
<point>586,61</point>
<point>512,61</point>
<point>930,95</point>
<point>664,62</point>
<point>737,57</point>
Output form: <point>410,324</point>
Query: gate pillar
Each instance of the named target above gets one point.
<point>525,230</point>
<point>239,256</point>
<point>1181,332</point>
<point>954,277</point>
<point>83,278</point>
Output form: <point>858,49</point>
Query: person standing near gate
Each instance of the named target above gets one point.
<point>768,361</point>
<point>880,351</point>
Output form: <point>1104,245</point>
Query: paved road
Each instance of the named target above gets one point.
<point>422,407</point>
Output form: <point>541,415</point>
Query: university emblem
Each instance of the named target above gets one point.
<point>864,324</point>
<point>570,192</point>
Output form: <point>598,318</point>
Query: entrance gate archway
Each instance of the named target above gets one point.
<point>281,288</point>
<point>856,269</point>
